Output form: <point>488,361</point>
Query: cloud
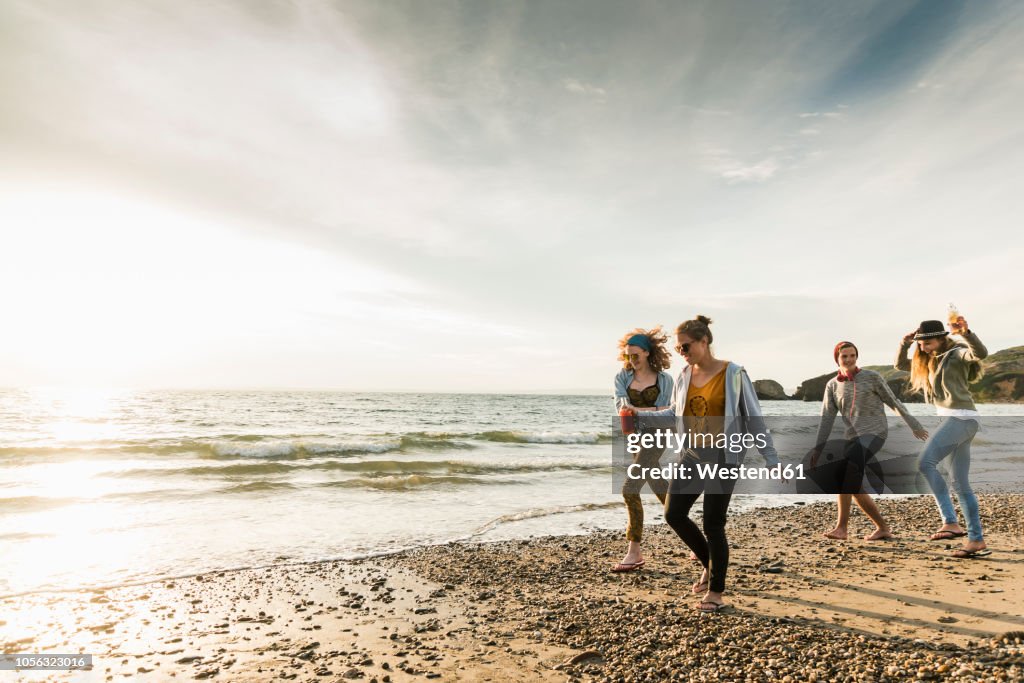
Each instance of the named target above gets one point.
<point>514,162</point>
<point>579,88</point>
<point>753,173</point>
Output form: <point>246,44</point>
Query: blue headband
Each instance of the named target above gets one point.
<point>641,341</point>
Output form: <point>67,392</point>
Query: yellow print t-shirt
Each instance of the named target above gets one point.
<point>706,402</point>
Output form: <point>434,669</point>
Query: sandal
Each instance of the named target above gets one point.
<point>627,566</point>
<point>947,535</point>
<point>712,606</point>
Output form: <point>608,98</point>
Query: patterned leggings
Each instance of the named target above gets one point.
<point>631,493</point>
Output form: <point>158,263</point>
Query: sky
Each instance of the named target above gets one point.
<point>484,197</point>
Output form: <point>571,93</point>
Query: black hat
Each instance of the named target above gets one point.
<point>929,329</point>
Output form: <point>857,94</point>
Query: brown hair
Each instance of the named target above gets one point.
<point>659,358</point>
<point>697,329</point>
<point>921,367</point>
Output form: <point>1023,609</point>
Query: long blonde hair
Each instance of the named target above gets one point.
<point>922,365</point>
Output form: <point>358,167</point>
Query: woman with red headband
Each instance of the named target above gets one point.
<point>858,396</point>
<point>642,384</point>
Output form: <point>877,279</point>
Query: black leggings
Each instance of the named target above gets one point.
<point>858,457</point>
<point>711,547</point>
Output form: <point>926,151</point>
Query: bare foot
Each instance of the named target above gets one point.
<point>972,549</point>
<point>712,602</point>
<point>948,532</point>
<point>879,535</point>
<point>838,534</point>
<point>701,586</point>
<point>632,558</point>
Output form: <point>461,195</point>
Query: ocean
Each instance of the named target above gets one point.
<point>102,488</point>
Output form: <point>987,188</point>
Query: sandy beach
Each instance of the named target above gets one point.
<point>803,609</point>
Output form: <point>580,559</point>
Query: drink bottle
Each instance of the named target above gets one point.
<point>627,419</point>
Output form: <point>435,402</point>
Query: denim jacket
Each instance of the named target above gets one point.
<point>625,378</point>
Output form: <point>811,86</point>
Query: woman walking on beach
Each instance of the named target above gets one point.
<point>943,370</point>
<point>858,395</point>
<point>711,397</point>
<point>642,384</point>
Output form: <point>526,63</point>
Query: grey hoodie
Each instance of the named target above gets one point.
<point>860,403</point>
<point>953,373</point>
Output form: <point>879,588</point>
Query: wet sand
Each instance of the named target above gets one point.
<point>802,608</point>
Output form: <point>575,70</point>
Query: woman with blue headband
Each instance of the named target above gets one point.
<point>641,384</point>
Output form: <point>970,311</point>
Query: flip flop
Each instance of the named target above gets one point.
<point>947,535</point>
<point>697,590</point>
<point>964,554</point>
<point>715,606</point>
<point>622,567</point>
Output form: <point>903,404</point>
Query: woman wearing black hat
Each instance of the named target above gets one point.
<point>859,397</point>
<point>943,370</point>
<point>641,384</point>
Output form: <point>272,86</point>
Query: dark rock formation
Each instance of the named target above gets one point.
<point>770,390</point>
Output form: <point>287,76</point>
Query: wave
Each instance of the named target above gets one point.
<point>545,437</point>
<point>358,466</point>
<point>32,503</point>
<point>23,536</point>
<point>258,486</point>
<point>535,513</point>
<point>298,447</point>
<point>408,482</point>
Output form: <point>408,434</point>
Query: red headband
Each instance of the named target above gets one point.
<point>840,346</point>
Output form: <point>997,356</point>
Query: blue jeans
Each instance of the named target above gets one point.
<point>952,437</point>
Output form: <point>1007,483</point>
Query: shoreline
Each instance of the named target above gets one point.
<point>548,609</point>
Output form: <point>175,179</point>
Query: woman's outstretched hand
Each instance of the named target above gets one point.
<point>921,434</point>
<point>959,327</point>
<point>815,454</point>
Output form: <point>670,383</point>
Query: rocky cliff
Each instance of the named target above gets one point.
<point>769,390</point>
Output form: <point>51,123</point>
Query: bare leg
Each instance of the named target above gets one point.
<point>702,584</point>
<point>867,504</point>
<point>839,533</point>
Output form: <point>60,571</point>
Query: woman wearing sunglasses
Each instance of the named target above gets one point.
<point>641,385</point>
<point>859,396</point>
<point>943,370</point>
<point>711,396</point>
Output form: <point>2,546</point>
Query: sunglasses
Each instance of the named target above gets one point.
<point>684,348</point>
<point>632,356</point>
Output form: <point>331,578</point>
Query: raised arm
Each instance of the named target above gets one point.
<point>902,362</point>
<point>975,349</point>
